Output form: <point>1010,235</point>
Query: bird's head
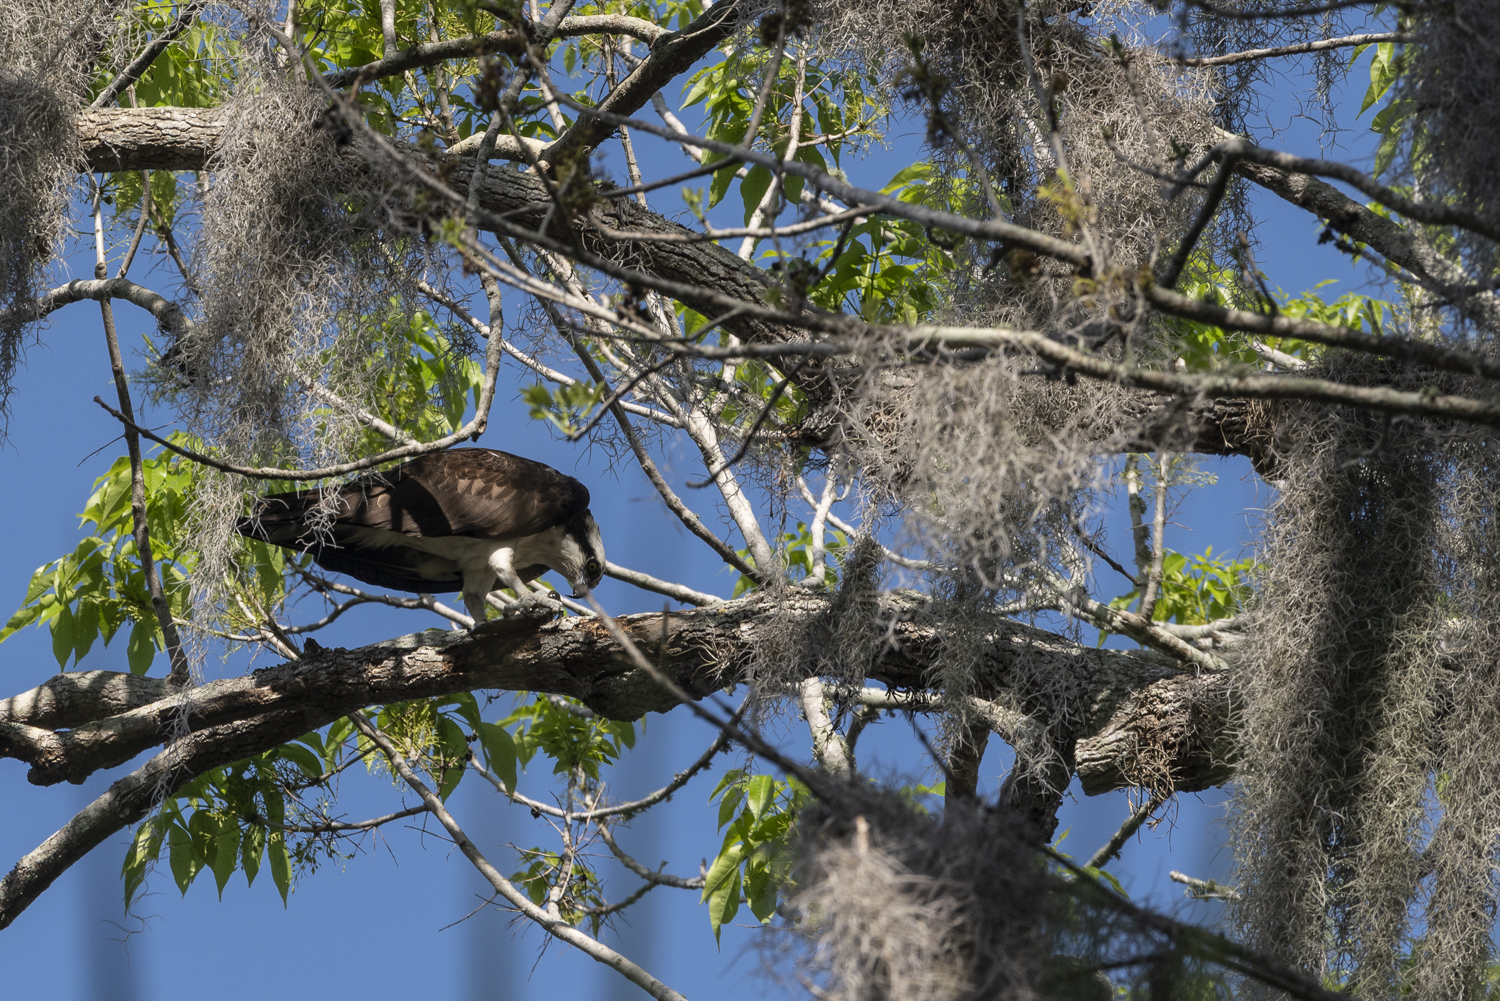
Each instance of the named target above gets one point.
<point>583,551</point>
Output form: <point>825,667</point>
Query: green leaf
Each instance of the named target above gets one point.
<point>758,793</point>
<point>761,887</point>
<point>183,856</point>
<point>85,628</point>
<point>499,751</point>
<point>729,806</point>
<point>306,761</point>
<point>141,649</point>
<point>753,188</point>
<point>144,849</point>
<point>225,852</point>
<point>719,186</point>
<point>281,863</point>
<point>62,636</point>
<point>252,848</point>
<point>25,616</point>
<point>721,887</point>
<point>1383,73</point>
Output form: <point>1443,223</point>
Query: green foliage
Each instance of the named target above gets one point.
<point>756,813</point>
<point>566,407</point>
<point>1204,347</point>
<point>432,384</point>
<point>232,817</point>
<point>342,34</point>
<point>889,270</point>
<point>427,731</point>
<point>253,811</point>
<point>1390,121</point>
<point>99,589</point>
<point>122,190</point>
<point>846,106</point>
<point>570,739</point>
<point>582,892</point>
<point>797,556</point>
<point>190,73</point>
<point>1195,590</point>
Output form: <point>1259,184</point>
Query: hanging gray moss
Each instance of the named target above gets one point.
<point>1452,73</point>
<point>45,55</point>
<point>1366,817</point>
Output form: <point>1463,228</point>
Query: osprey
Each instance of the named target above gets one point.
<point>469,519</point>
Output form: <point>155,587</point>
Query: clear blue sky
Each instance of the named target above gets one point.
<point>376,925</point>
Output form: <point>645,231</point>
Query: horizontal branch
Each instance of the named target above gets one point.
<point>1322,45</point>
<point>1262,386</point>
<point>1396,243</point>
<point>510,42</point>
<point>1430,353</point>
<point>700,651</point>
<point>167,312</point>
<point>185,139</point>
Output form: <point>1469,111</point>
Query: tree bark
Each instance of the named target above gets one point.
<point>76,724</point>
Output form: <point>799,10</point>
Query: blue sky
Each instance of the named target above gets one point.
<point>379,923</point>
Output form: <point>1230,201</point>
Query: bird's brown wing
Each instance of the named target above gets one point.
<point>471,491</point>
<point>476,492</point>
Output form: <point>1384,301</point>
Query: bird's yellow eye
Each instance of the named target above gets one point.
<point>593,566</point>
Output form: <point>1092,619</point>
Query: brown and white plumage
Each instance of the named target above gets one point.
<point>468,519</point>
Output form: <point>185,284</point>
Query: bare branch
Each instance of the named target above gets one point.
<point>181,671</point>
<point>1110,850</point>
<point>138,66</point>
<point>1322,45</point>
<point>509,42</point>
<point>593,948</point>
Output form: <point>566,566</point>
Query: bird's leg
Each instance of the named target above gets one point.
<point>477,583</point>
<point>528,602</point>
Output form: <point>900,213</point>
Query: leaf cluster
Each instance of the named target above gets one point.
<point>757,814</point>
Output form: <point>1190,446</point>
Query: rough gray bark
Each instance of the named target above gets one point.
<point>76,724</point>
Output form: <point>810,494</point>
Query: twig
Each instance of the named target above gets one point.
<point>668,588</point>
<point>652,877</point>
<point>1203,889</point>
<point>138,66</point>
<point>1216,189</point>
<point>181,671</point>
<point>1110,850</point>
<point>591,947</point>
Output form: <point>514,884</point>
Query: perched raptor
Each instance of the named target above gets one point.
<point>470,519</point>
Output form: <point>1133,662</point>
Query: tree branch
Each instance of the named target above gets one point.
<point>1299,48</point>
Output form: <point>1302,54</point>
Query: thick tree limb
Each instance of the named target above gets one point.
<point>185,139</point>
<point>1396,243</point>
<point>114,717</point>
<point>1121,698</point>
